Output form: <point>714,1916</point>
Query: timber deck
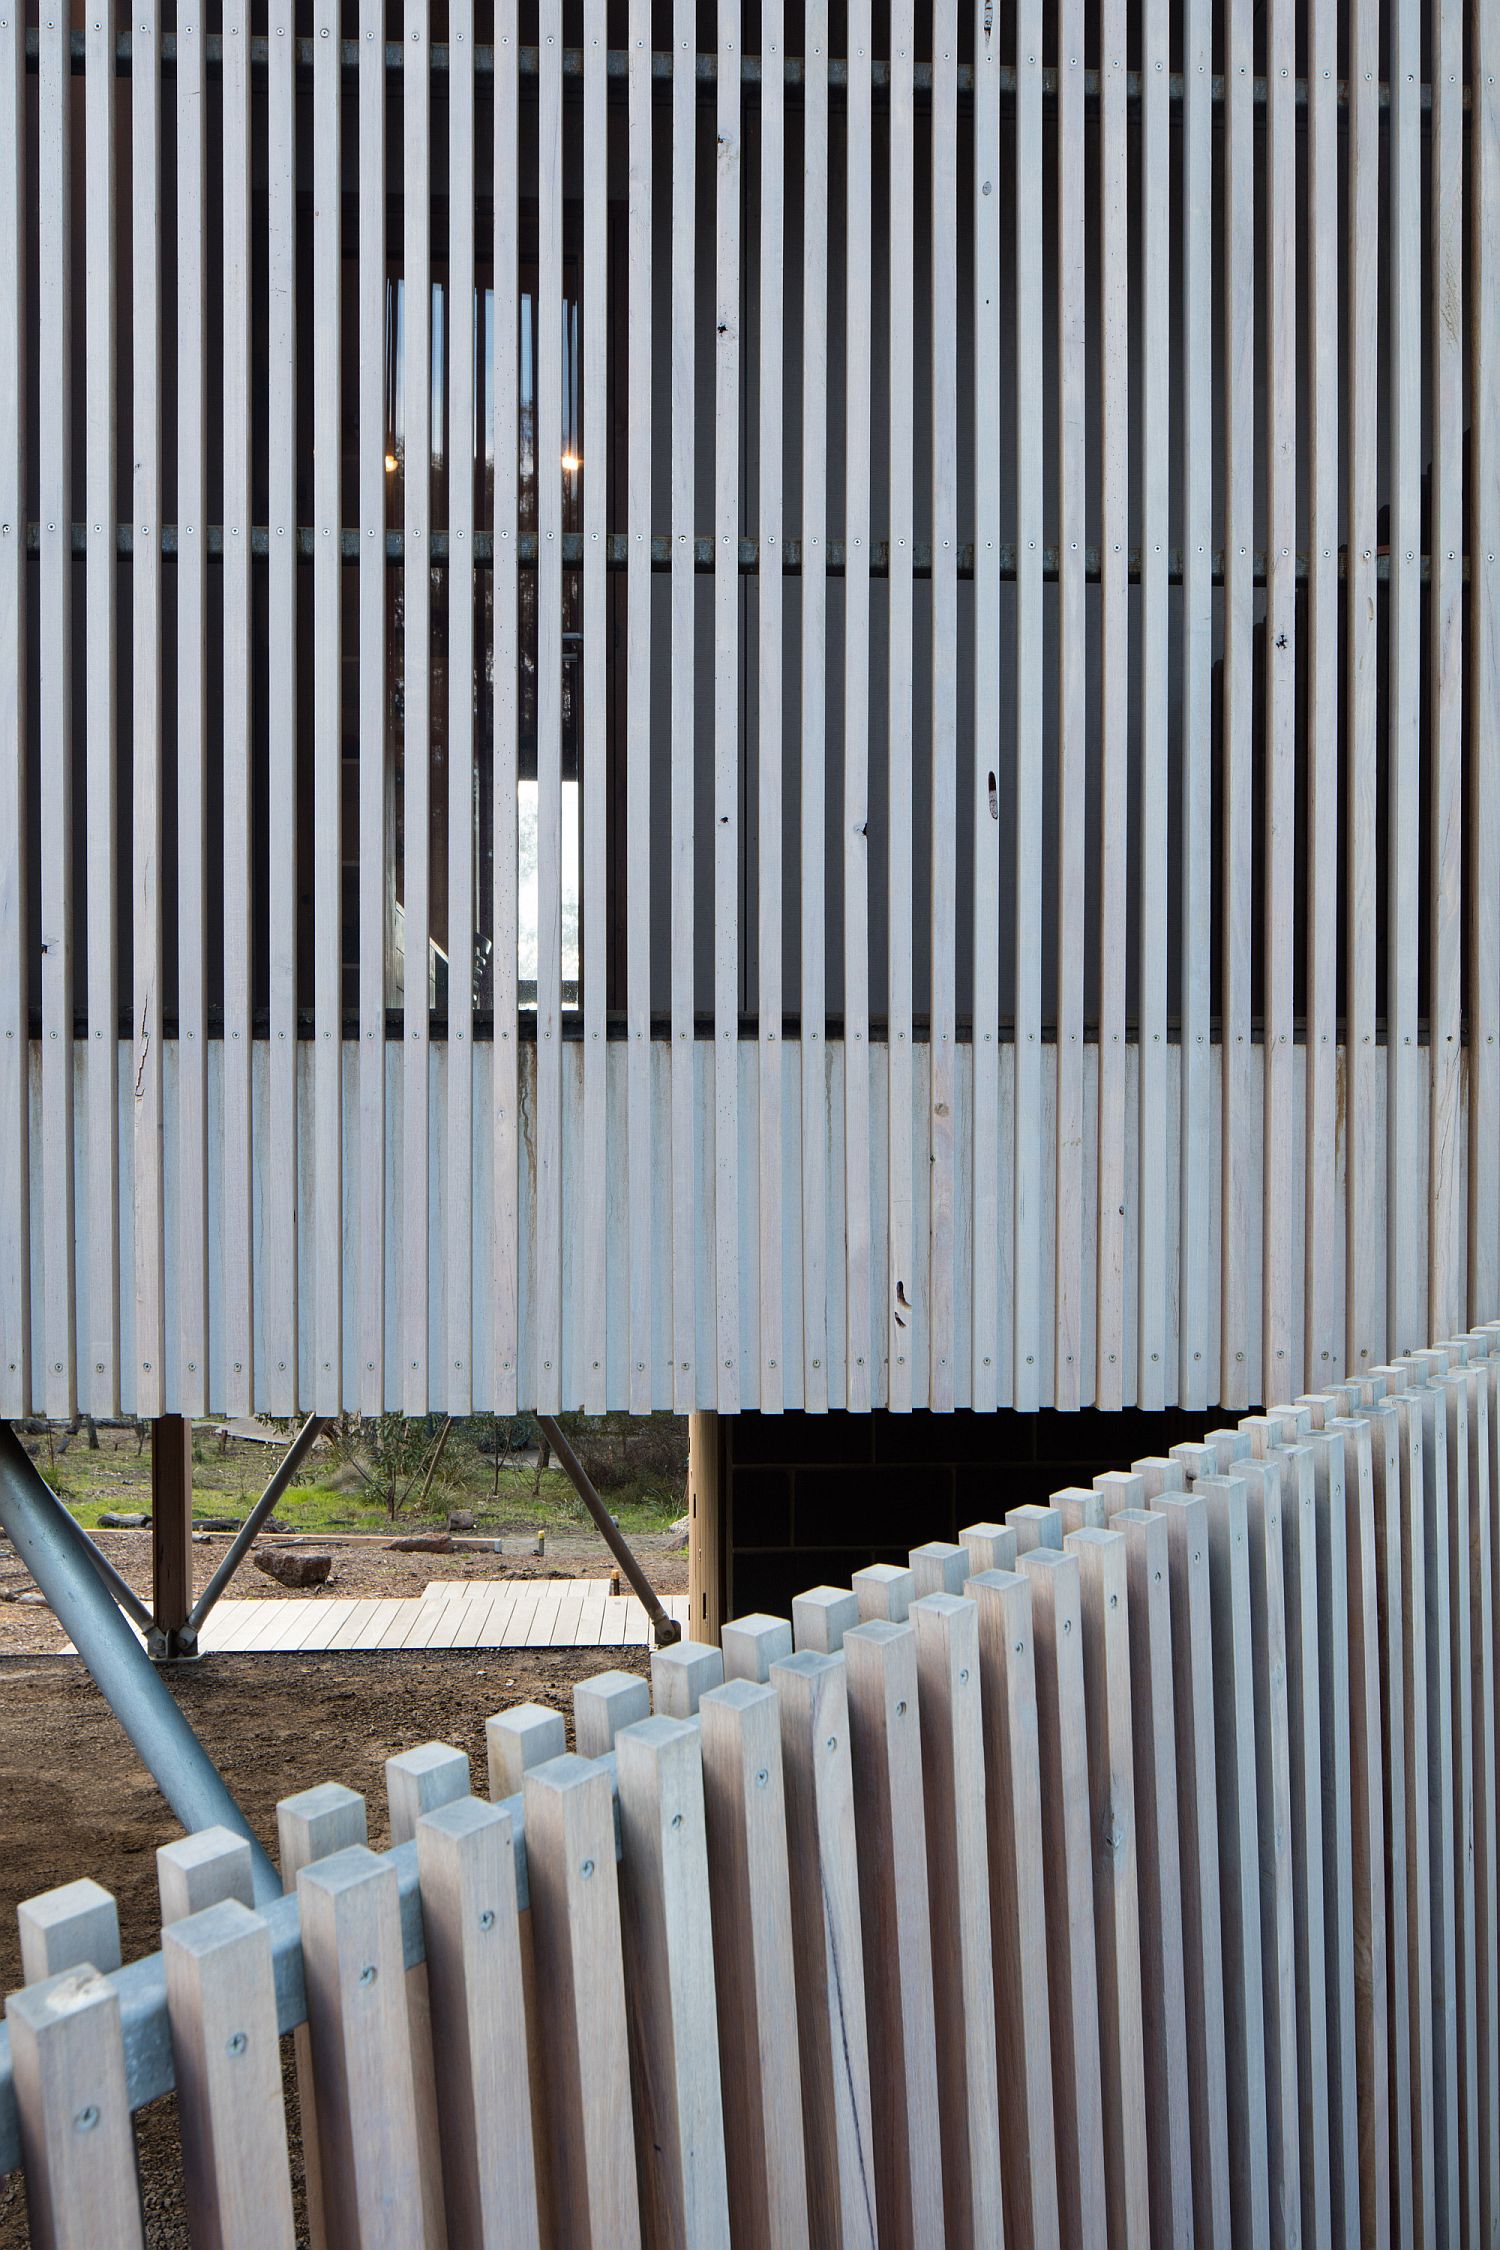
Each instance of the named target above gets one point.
<point>456,1613</point>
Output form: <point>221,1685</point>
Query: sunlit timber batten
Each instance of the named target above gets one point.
<point>688,728</point>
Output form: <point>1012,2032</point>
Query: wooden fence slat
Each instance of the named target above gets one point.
<point>277,1275</point>
<point>54,605</point>
<point>728,1385</point>
<point>989,1380</point>
<point>1484,1493</point>
<point>943,1187</point>
<point>455,1387</point>
<point>1188,1576</point>
<point>527,1735</point>
<point>605,1704</point>
<point>1406,1087</point>
<point>592,1302</point>
<point>190,1171</point>
<point>1115,1324</point>
<point>1240,1198</point>
<point>745,1810</point>
<point>1282,1264</point>
<point>1195,1281</point>
<point>546,1302</point>
<point>66,1927</point>
<point>357,2037</point>
<point>414,453</point>
<point>822,1616</point>
<point>1323,1326</point>
<point>1234,1731</point>
<point>1107,1700</point>
<point>1483,628</point>
<point>991,1546</point>
<point>1034,1526</point>
<point>467,1864</point>
<point>377,444</point>
<point>1299,1530</point>
<point>884,1590</point>
<point>237,1192</point>
<point>1467,1493</point>
<point>769,703</point>
<point>1417,1446</point>
<point>1365,1322</point>
<point>689,1387</point>
<point>1026,1246</point>
<point>1078,1506</point>
<point>813,718</point>
<point>1265,1508</point>
<point>198,1871</point>
<point>327,697</point>
<point>827,1949</point>
<point>855,856</point>
<point>669,1985</point>
<point>953,1780</point>
<point>311,1826</point>
<point>1152,885</point>
<point>68,2064</point>
<point>751,1645</point>
<point>681,1674</point>
<point>1366,1829</point>
<point>1338,1551</point>
<point>904,1288</point>
<point>1072,708</point>
<point>1137,1486</point>
<point>1444,1492</point>
<point>1067,1821</point>
<point>886,1748</point>
<point>1386,1446</point>
<point>419,1781</point>
<point>1163,1964</point>
<point>15,884</point>
<point>226,2060</point>
<point>149,1333</point>
<point>940,1567</point>
<point>575,1931</point>
<point>505,1061</point>
<point>99,1351</point>
<point>1013,1814</point>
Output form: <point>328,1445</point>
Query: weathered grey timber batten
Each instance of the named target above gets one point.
<point>745,708</point>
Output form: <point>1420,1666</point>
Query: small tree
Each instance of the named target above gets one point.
<point>388,1452</point>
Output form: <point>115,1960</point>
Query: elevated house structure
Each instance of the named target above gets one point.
<point>784,710</point>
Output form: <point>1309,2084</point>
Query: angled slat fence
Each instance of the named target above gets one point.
<point>1124,1871</point>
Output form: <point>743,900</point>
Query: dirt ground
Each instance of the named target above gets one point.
<point>75,1801</point>
<point>358,1570</point>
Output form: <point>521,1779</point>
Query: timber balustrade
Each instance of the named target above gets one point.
<point>1143,1892</point>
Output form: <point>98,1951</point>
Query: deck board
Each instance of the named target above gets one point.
<point>451,1613</point>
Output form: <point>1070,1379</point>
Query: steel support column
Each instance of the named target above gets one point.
<point>129,1682</point>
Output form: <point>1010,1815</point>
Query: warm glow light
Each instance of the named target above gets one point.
<point>391,464</point>
<point>572,462</point>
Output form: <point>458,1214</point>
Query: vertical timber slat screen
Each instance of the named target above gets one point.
<point>756,706</point>
<point>1095,1888</point>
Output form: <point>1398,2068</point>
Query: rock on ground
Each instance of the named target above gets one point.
<point>292,1566</point>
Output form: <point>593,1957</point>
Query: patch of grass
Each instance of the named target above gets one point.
<point>228,1479</point>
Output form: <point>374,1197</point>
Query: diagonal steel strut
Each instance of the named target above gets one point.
<point>125,1675</point>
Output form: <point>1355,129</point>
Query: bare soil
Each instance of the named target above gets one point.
<point>74,1799</point>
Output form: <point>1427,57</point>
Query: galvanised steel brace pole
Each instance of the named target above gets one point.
<point>124,1593</point>
<point>290,1462</point>
<point>124,1674</point>
<point>666,1629</point>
